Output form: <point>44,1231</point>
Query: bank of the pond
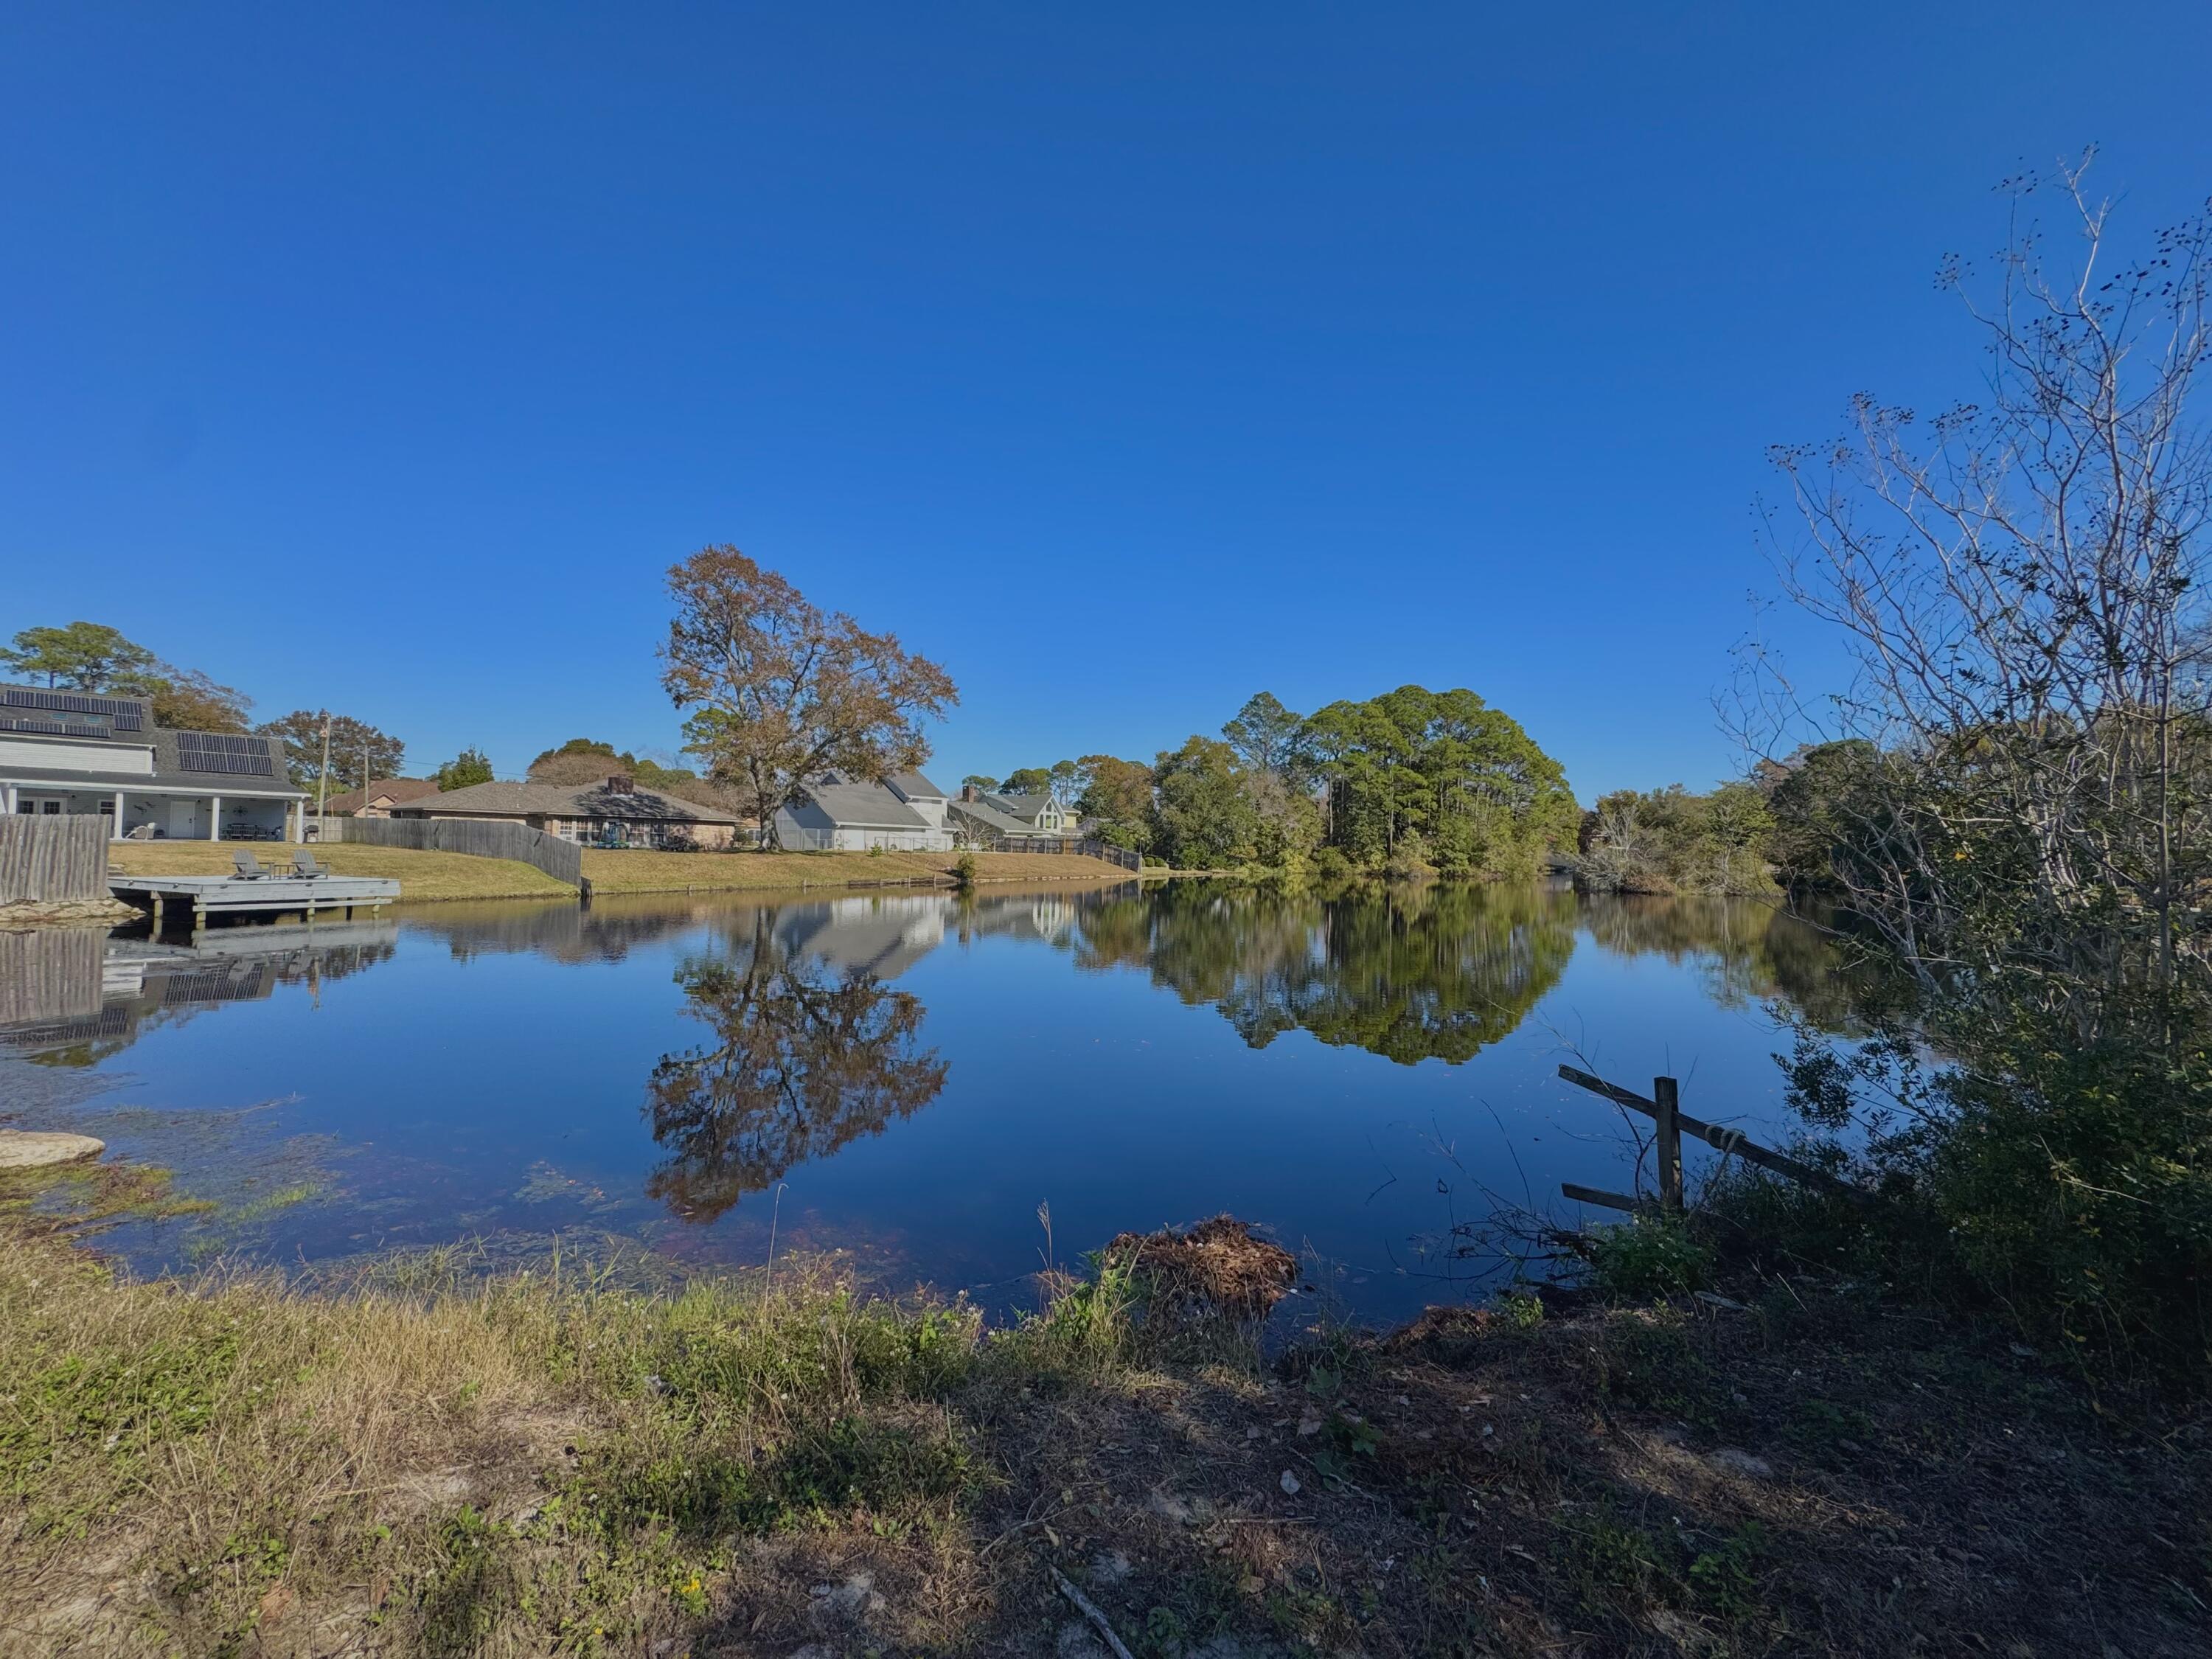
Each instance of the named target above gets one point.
<point>423,876</point>
<point>415,1462</point>
<point>430,877</point>
<point>713,872</point>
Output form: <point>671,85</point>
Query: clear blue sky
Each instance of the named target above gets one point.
<point>1128,360</point>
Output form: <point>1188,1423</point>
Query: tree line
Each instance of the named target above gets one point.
<point>1412,781</point>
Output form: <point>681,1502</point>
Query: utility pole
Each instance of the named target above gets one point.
<point>323,778</point>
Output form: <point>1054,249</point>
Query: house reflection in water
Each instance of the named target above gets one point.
<point>75,996</point>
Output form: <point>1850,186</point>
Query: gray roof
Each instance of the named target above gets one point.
<point>395,790</point>
<point>863,806</point>
<point>984,816</point>
<point>910,784</point>
<point>170,771</point>
<point>1028,808</point>
<point>590,800</point>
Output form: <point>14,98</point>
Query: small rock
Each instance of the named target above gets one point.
<point>1168,1507</point>
<point>1290,1484</point>
<point>1252,1433</point>
<point>1109,1569</point>
<point>31,1149</point>
<point>2021,1351</point>
<point>1715,1299</point>
<point>1310,1424</point>
<point>1742,1462</point>
<point>857,1594</point>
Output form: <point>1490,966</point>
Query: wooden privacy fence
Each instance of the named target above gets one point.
<point>50,973</point>
<point>53,857</point>
<point>1093,849</point>
<point>563,861</point>
<point>1663,1110</point>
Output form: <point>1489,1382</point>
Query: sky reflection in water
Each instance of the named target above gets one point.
<point>913,1073</point>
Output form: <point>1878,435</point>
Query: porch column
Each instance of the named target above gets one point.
<point>215,817</point>
<point>115,830</point>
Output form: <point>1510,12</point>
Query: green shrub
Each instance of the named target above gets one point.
<point>1648,1257</point>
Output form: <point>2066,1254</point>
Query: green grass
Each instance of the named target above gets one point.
<point>421,875</point>
<point>401,1459</point>
<point>665,873</point>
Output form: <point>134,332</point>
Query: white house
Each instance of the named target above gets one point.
<point>1040,814</point>
<point>835,813</point>
<point>76,752</point>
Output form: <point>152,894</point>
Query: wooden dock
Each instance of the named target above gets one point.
<point>210,896</point>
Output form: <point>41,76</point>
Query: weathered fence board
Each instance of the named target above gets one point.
<point>50,973</point>
<point>563,861</point>
<point>1731,1141</point>
<point>52,857</point>
<point>1087,848</point>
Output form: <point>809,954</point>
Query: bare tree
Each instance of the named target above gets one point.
<point>2019,581</point>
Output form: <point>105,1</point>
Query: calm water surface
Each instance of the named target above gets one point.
<point>904,1077</point>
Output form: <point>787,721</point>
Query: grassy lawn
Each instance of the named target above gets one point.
<point>421,876</point>
<point>408,1460</point>
<point>430,876</point>
<point>662,872</point>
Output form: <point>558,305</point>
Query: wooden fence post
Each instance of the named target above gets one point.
<point>1663,1096</point>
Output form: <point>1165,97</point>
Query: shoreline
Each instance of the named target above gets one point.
<point>401,1458</point>
<point>428,877</point>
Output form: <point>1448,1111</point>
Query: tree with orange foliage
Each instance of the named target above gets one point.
<point>781,691</point>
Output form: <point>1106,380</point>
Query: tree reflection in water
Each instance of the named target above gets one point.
<point>1440,971</point>
<point>804,1059</point>
<point>1437,972</point>
<point>1753,950</point>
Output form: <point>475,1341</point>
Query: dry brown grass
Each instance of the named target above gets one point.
<point>421,875</point>
<point>677,872</point>
<point>426,877</point>
<point>412,1462</point>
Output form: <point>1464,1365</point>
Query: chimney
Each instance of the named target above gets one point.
<point>619,783</point>
<point>968,791</point>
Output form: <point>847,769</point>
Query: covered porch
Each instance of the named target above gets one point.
<point>144,813</point>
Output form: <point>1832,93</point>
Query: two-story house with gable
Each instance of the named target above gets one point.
<point>79,752</point>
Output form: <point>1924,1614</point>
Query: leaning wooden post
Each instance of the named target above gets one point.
<point>1670,1145</point>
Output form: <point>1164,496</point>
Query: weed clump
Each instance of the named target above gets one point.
<point>1217,1269</point>
<point>1647,1257</point>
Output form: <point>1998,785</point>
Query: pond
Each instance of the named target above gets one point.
<point>915,1079</point>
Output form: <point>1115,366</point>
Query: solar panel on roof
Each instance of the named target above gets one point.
<point>220,751</point>
<point>122,714</point>
<point>47,728</point>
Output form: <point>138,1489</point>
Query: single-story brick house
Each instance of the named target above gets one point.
<point>382,795</point>
<point>613,813</point>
